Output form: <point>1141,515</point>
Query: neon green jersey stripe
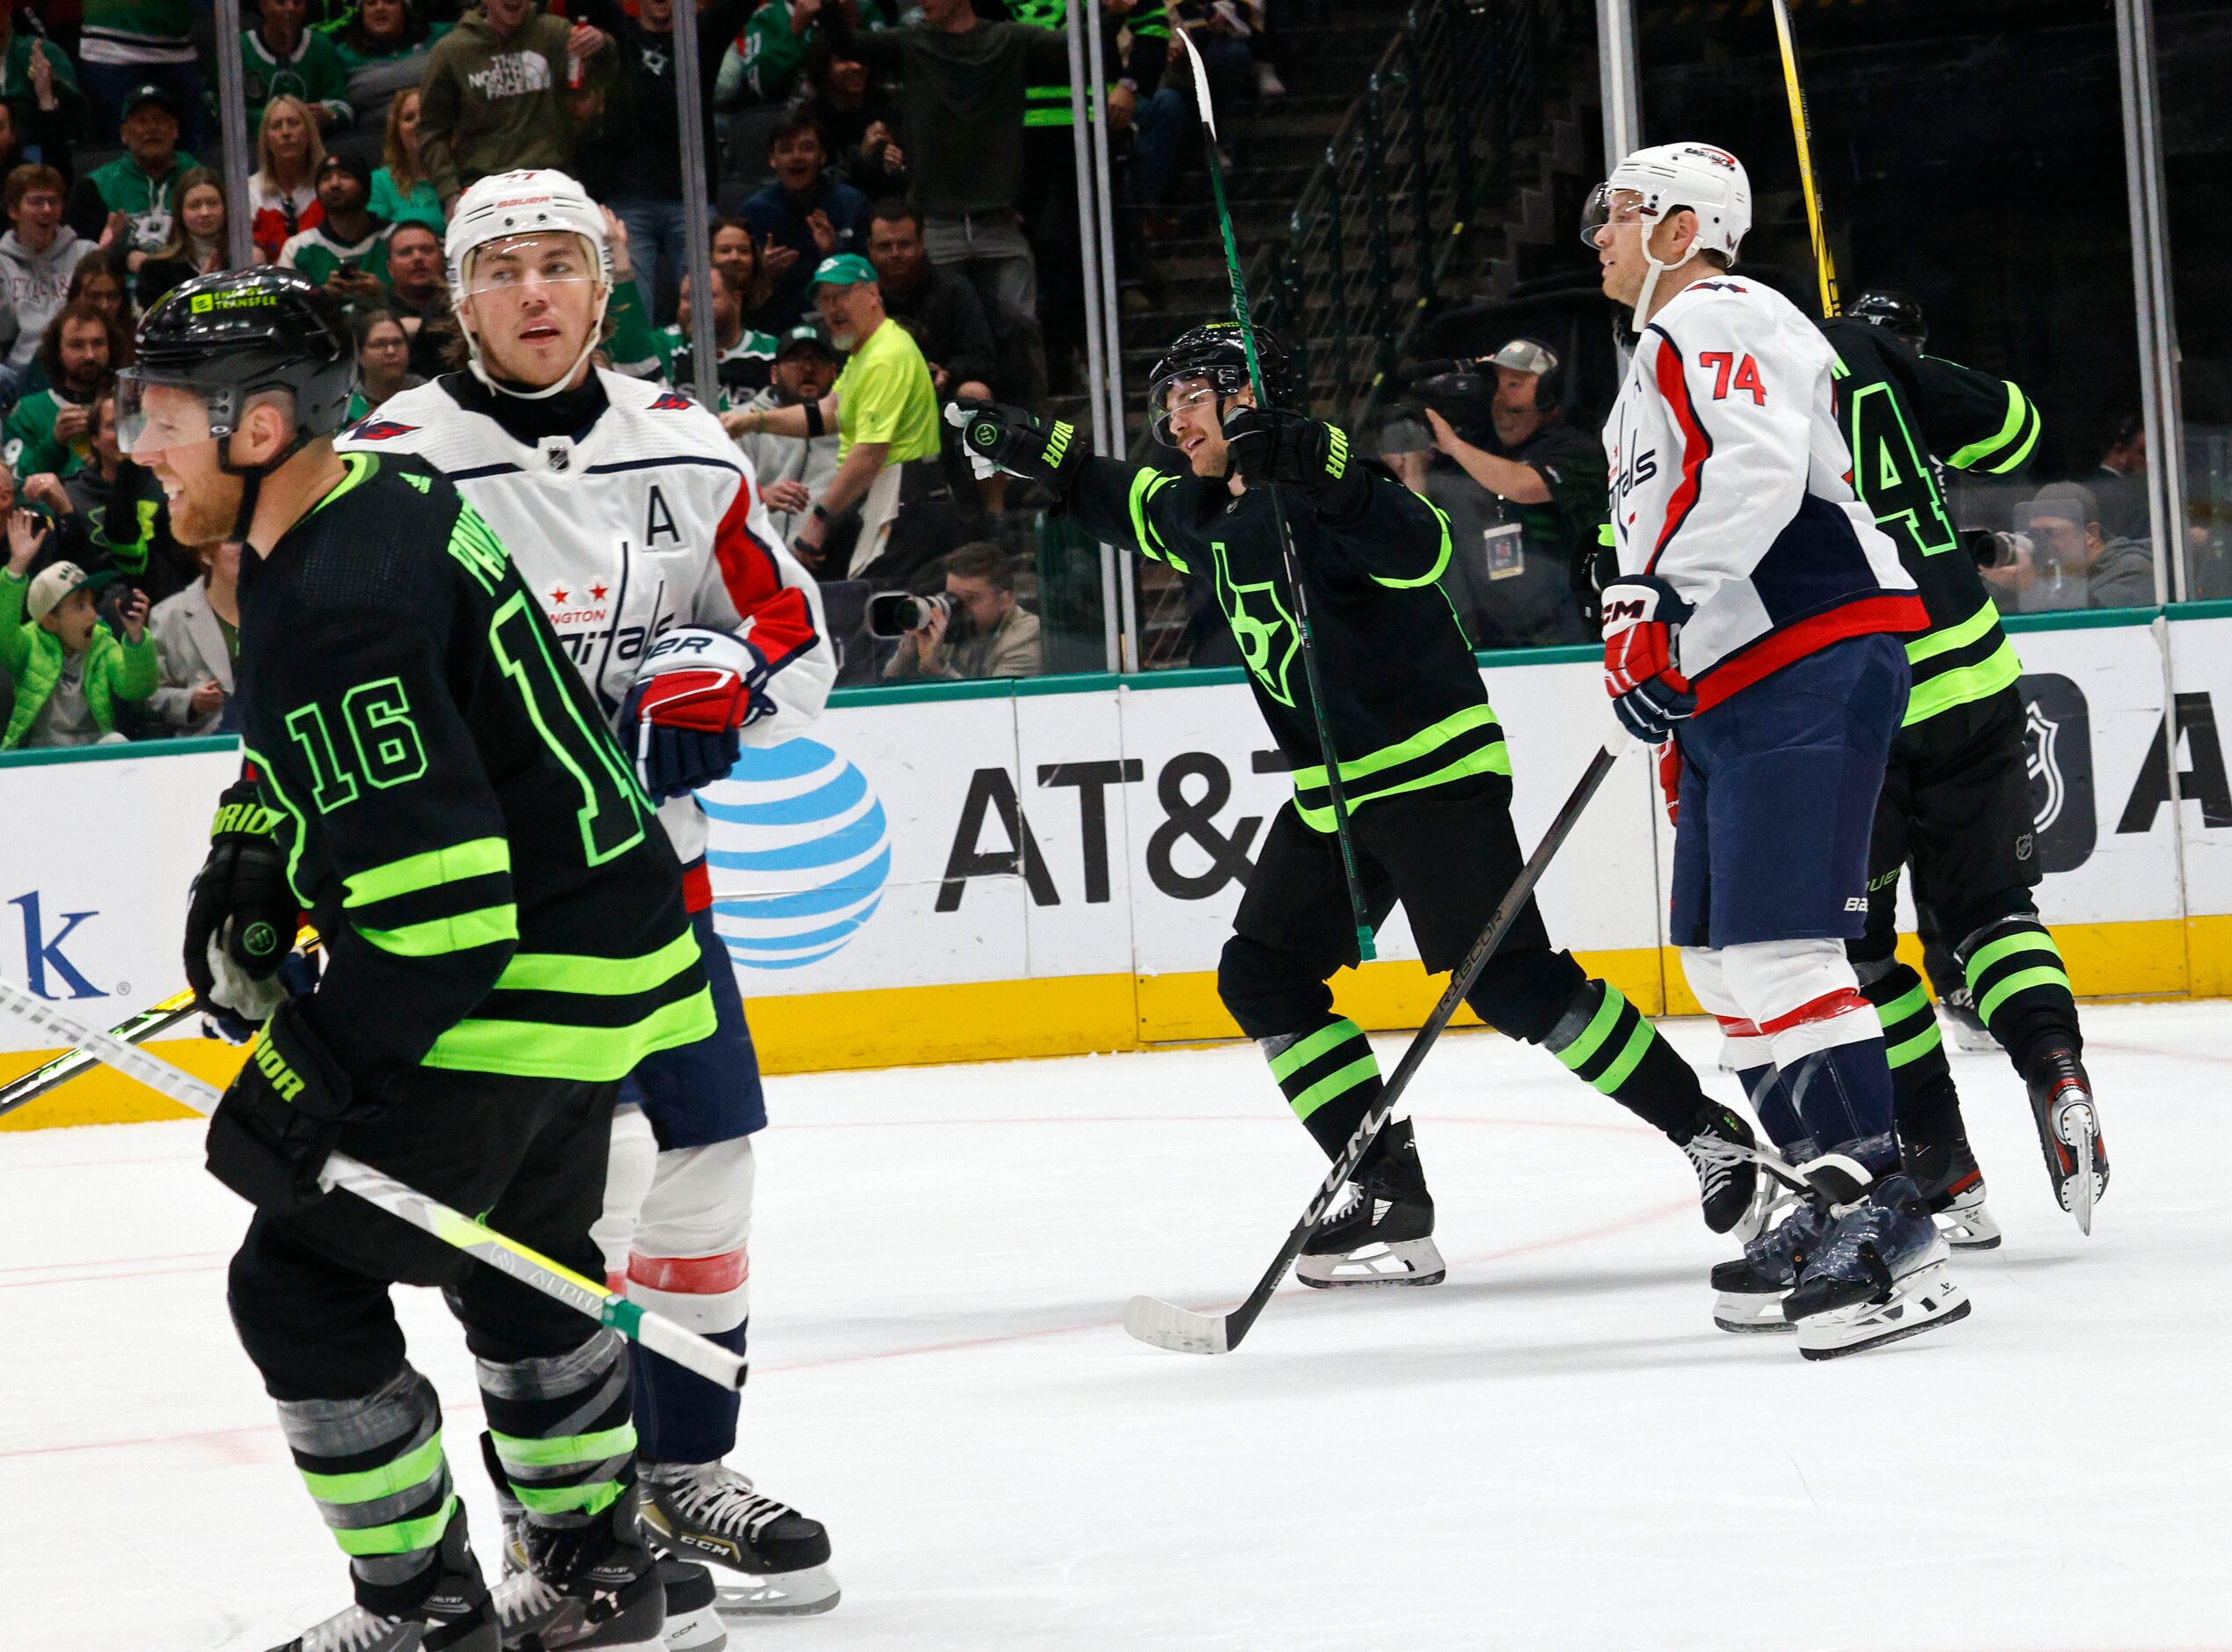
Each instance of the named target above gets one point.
<point>1903,1006</point>
<point>1938,642</point>
<point>475,859</point>
<point>2006,946</point>
<point>2043,976</point>
<point>1898,1055</point>
<point>542,1049</point>
<point>1441,561</point>
<point>594,1498</point>
<point>1495,759</point>
<point>2019,409</point>
<point>1298,1056</point>
<point>601,977</point>
<point>1598,1029</point>
<point>1612,1076</point>
<point>437,936</point>
<point>1340,1083</point>
<point>567,1451</point>
<point>2001,668</point>
<point>414,1467</point>
<point>2014,460</point>
<point>402,1537</point>
<point>1418,745</point>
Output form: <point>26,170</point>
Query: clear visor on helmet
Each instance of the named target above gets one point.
<point>1174,392</point>
<point>153,417</point>
<point>519,263</point>
<point>1607,205</point>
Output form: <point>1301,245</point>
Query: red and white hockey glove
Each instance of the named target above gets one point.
<point>679,723</point>
<point>1641,614</point>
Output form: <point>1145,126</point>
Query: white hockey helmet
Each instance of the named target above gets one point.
<point>1664,179</point>
<point>505,205</point>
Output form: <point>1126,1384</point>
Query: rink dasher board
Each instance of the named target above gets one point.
<point>994,870</point>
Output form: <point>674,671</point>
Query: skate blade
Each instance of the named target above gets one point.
<point>1966,1225</point>
<point>1405,1263</point>
<point>700,1630</point>
<point>1927,1298</point>
<point>798,1594</point>
<point>2081,1185</point>
<point>1165,1324</point>
<point>1749,1310</point>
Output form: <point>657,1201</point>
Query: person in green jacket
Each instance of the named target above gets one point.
<point>143,182</point>
<point>70,670</point>
<point>50,432</point>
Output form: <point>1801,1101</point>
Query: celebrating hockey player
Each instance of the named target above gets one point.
<point>638,526</point>
<point>1753,631</point>
<point>505,941</point>
<point>1956,797</point>
<point>1423,760</point>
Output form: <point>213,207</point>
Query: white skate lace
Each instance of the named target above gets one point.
<point>717,1496</point>
<point>355,1630</point>
<point>522,1598</point>
<point>1715,1161</point>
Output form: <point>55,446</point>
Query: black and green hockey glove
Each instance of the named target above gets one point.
<point>1295,450</point>
<point>276,1122</point>
<point>1000,437</point>
<point>241,903</point>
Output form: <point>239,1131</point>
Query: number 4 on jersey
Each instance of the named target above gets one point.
<point>1731,374</point>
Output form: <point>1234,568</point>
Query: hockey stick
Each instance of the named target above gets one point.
<point>1802,133</point>
<point>136,1029</point>
<point>538,1272</point>
<point>1184,1331</point>
<point>1366,950</point>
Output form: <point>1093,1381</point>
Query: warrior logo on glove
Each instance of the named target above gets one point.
<point>682,718</point>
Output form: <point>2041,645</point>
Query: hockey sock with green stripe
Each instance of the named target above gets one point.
<point>1924,1102</point>
<point>2020,988</point>
<point>1610,1044</point>
<point>1329,1077</point>
<point>560,1426</point>
<point>376,1467</point>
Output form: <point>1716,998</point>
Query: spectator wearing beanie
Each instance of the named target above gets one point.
<point>69,671</point>
<point>38,256</point>
<point>345,251</point>
<point>496,95</point>
<point>143,182</point>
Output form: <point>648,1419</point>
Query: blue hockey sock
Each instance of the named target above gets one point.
<point>1771,1102</point>
<point>680,1416</point>
<point>1842,1098</point>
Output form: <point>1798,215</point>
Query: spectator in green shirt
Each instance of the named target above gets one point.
<point>401,192</point>
<point>886,414</point>
<point>142,183</point>
<point>345,251</point>
<point>282,56</point>
<point>51,431</point>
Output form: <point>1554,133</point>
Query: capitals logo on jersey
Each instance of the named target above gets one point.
<point>375,428</point>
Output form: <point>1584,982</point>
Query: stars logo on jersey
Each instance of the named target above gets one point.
<point>1266,633</point>
<point>377,429</point>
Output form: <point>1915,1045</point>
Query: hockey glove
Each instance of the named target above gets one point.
<point>277,1121</point>
<point>241,904</point>
<point>680,722</point>
<point>1303,453</point>
<point>1640,616</point>
<point>997,437</point>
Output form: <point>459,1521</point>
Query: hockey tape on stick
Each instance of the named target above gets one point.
<point>1184,1331</point>
<point>136,1028</point>
<point>531,1269</point>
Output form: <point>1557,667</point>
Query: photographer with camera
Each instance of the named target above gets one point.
<point>2060,557</point>
<point>1524,493</point>
<point>973,628</point>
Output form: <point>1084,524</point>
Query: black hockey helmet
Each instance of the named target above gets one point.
<point>228,336</point>
<point>1896,313</point>
<point>1217,353</point>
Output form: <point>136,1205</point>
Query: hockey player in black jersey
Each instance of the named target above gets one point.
<point>505,939</point>
<point>1956,800</point>
<point>1424,768</point>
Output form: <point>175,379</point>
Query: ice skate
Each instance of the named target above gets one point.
<point>773,1560</point>
<point>1952,1186</point>
<point>2068,1123</point>
<point>594,1588</point>
<point>1751,1288</point>
<point>1971,1036</point>
<point>1720,1151</point>
<point>455,1614</point>
<point>1384,1234</point>
<point>1879,1276</point>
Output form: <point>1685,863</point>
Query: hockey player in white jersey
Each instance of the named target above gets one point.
<point>640,526</point>
<point>1753,631</point>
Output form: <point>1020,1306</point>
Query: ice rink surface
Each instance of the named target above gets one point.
<point>1556,1448</point>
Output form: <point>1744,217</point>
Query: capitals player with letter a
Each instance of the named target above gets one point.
<point>1753,631</point>
<point>640,527</point>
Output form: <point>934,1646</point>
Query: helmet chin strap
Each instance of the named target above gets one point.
<point>558,386</point>
<point>252,478</point>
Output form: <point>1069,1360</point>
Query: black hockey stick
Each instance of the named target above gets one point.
<point>1184,1331</point>
<point>1366,950</point>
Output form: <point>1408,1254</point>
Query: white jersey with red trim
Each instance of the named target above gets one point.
<point>648,519</point>
<point>1731,481</point>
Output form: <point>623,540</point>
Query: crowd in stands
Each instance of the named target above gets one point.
<point>893,216</point>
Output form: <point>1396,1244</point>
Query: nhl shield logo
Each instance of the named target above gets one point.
<point>2056,738</point>
<point>559,455</point>
<point>2043,762</point>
